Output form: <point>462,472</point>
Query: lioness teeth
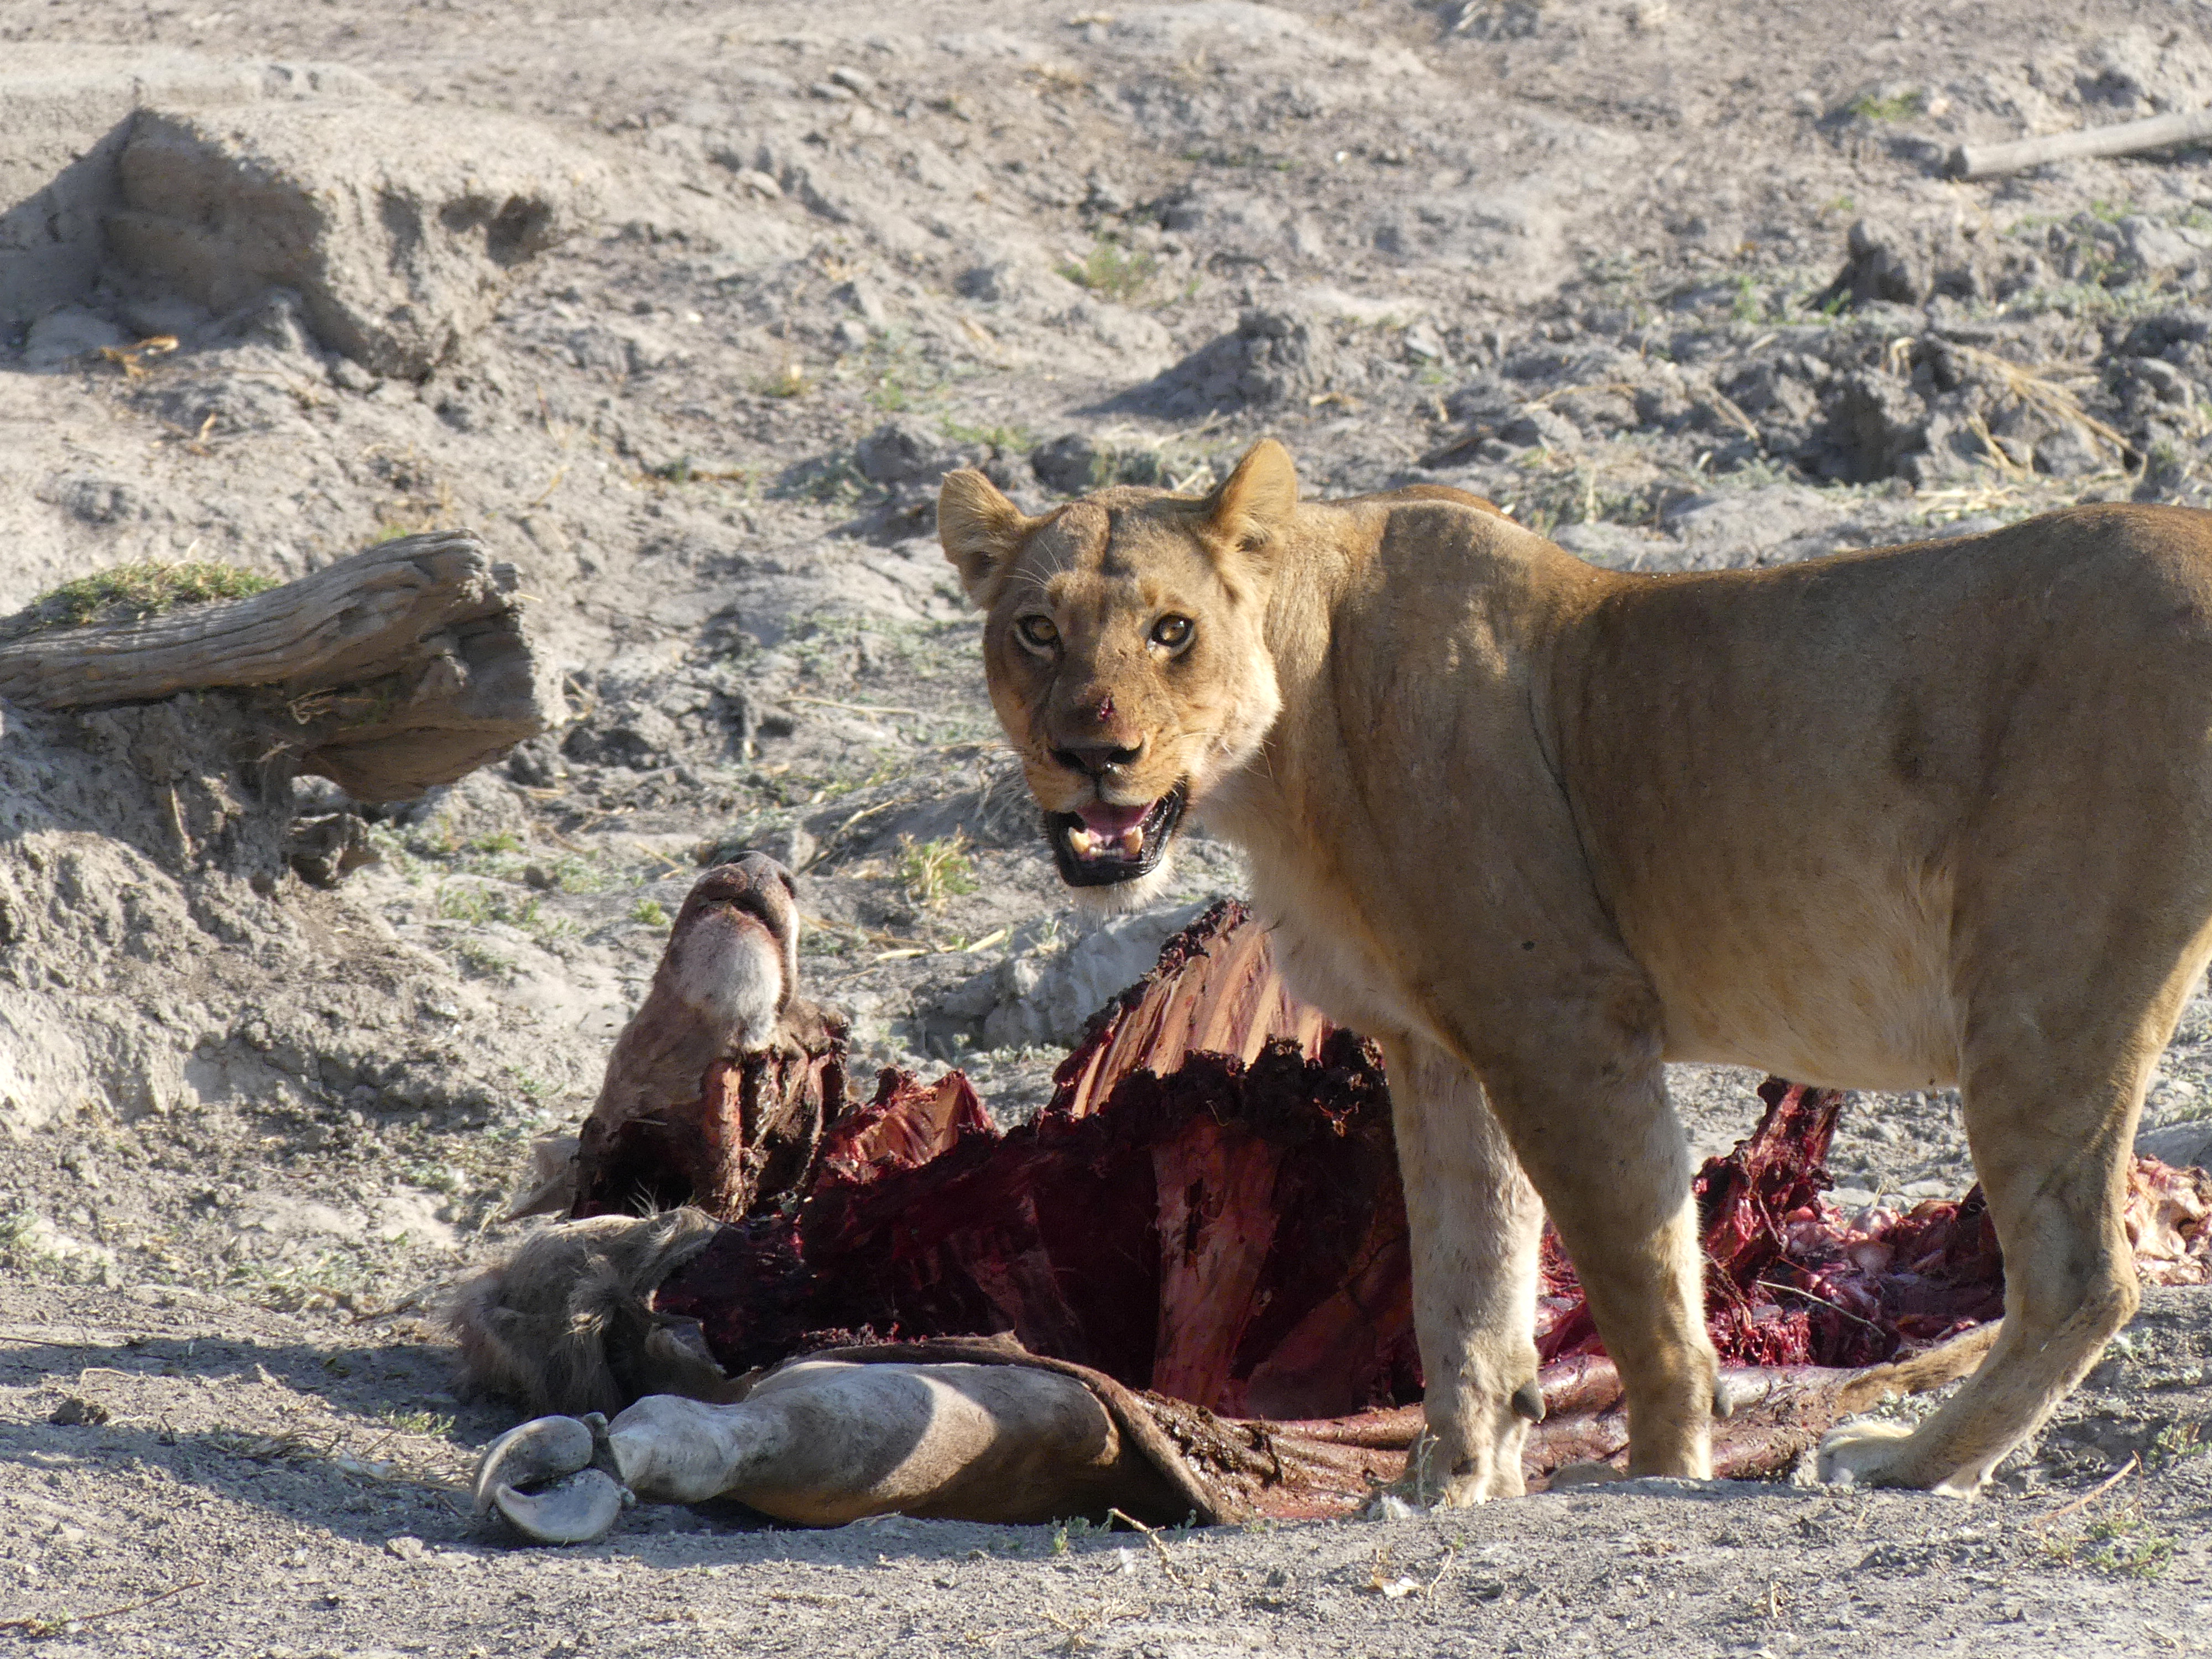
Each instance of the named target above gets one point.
<point>1088,843</point>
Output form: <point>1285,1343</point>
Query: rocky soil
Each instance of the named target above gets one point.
<point>684,308</point>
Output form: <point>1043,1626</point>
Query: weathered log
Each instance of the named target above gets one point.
<point>405,666</point>
<point>2126,138</point>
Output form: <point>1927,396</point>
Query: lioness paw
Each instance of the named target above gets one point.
<point>1876,1453</point>
<point>1435,1480</point>
<point>1584,1474</point>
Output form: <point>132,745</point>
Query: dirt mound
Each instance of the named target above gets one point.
<point>400,238</point>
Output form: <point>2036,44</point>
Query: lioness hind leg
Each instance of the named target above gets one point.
<point>2051,1135</point>
<point>1475,1224</point>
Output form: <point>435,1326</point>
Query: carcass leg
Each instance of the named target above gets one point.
<point>823,1442</point>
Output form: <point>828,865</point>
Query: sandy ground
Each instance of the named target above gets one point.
<point>285,1484</point>
<point>1577,257</point>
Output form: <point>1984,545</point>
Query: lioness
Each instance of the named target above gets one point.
<point>1887,820</point>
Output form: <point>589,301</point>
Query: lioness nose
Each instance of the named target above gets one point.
<point>1093,758</point>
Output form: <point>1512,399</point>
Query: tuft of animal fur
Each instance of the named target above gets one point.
<point>565,1324</point>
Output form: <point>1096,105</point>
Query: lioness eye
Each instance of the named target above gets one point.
<point>1037,633</point>
<point>1171,632</point>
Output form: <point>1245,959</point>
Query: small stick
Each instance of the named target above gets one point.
<point>1792,1289</point>
<point>1152,1537</point>
<point>2128,137</point>
<point>2134,1461</point>
<point>854,708</point>
<point>54,1626</point>
<point>1451,1556</point>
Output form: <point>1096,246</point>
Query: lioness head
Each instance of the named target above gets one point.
<point>1124,652</point>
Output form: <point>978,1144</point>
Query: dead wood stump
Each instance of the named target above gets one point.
<point>405,666</point>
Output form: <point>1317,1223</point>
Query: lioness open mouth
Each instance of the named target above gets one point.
<point>1101,845</point>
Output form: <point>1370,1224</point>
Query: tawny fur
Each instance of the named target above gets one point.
<point>1897,819</point>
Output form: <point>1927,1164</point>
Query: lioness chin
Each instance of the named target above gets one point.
<point>1891,820</point>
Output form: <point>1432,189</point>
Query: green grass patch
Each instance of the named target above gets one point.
<point>2177,1442</point>
<point>473,901</point>
<point>1112,271</point>
<point>2127,1545</point>
<point>1006,440</point>
<point>789,380</point>
<point>132,593</point>
<point>1891,106</point>
<point>2091,299</point>
<point>480,958</point>
<point>431,1422</point>
<point>934,870</point>
<point>572,874</point>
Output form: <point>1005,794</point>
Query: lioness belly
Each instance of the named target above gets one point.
<point>1848,990</point>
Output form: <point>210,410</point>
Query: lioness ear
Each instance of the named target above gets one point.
<point>980,529</point>
<point>1258,498</point>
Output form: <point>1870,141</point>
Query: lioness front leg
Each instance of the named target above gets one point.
<point>1476,1224</point>
<point>1599,1139</point>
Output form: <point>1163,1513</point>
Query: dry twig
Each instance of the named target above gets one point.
<point>2126,138</point>
<point>43,1627</point>
<point>1152,1537</point>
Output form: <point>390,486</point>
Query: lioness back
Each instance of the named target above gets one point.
<point>1866,753</point>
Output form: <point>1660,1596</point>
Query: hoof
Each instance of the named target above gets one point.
<point>581,1509</point>
<point>542,1450</point>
